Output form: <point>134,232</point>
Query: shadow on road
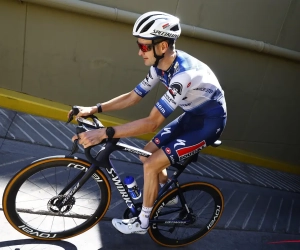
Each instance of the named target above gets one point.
<point>61,244</point>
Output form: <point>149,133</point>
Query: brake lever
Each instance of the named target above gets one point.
<point>74,147</point>
<point>81,129</point>
<point>75,111</point>
<point>70,117</point>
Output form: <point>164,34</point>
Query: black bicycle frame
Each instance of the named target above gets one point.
<point>102,161</point>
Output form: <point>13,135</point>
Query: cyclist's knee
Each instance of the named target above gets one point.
<point>150,147</point>
<point>148,167</point>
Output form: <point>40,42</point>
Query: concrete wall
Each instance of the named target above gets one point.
<point>78,59</point>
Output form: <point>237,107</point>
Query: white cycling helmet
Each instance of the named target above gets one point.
<point>156,24</point>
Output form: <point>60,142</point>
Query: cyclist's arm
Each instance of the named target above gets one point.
<point>163,108</point>
<point>135,128</point>
<point>141,126</point>
<point>133,97</point>
<point>120,102</point>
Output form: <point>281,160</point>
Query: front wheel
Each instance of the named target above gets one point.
<point>176,226</point>
<point>30,198</point>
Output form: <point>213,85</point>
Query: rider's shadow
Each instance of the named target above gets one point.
<point>60,244</point>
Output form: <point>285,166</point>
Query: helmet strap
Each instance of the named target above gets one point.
<point>156,56</point>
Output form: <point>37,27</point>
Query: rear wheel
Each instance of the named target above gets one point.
<point>205,203</point>
<point>30,199</point>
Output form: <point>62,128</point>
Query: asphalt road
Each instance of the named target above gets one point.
<point>262,206</point>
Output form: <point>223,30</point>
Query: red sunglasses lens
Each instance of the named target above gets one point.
<point>144,47</point>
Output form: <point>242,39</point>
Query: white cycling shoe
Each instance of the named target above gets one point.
<point>129,226</point>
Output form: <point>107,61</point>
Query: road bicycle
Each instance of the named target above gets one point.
<point>60,196</point>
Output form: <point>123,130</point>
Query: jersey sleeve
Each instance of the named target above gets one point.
<point>148,83</point>
<point>177,90</point>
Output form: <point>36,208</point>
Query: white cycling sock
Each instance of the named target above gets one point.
<point>144,216</point>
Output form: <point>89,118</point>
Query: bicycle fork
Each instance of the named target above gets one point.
<point>74,185</point>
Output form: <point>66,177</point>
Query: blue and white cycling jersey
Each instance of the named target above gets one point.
<point>191,85</point>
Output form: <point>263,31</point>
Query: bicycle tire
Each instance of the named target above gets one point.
<point>200,197</point>
<point>35,182</point>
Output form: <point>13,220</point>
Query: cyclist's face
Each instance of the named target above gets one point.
<point>146,51</point>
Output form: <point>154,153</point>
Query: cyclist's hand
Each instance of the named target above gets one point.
<point>84,111</point>
<point>91,137</point>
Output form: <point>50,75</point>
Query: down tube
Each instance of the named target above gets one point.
<point>121,188</point>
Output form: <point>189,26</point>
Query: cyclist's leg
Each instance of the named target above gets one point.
<point>162,138</point>
<point>185,136</point>
<point>182,138</point>
<point>152,167</point>
<point>151,147</point>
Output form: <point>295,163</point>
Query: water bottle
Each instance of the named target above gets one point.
<point>133,188</point>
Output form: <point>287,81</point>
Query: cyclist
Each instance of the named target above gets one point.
<point>190,84</point>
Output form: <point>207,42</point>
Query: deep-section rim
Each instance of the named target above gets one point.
<point>154,233</point>
<point>9,206</point>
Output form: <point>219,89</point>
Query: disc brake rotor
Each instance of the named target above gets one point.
<point>56,200</point>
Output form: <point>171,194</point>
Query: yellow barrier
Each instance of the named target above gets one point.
<point>53,110</point>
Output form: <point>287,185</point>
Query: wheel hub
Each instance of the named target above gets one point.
<point>184,215</point>
<point>54,202</point>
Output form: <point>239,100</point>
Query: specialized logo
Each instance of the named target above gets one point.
<point>120,186</point>
<point>166,131</point>
<point>175,88</point>
<point>179,143</point>
<point>136,151</point>
<point>156,140</point>
<point>189,85</point>
<point>164,34</point>
<point>172,159</point>
<point>186,152</point>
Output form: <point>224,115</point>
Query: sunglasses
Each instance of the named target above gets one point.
<point>147,47</point>
<point>144,47</point>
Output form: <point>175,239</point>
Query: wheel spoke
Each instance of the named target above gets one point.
<point>202,200</point>
<point>32,200</point>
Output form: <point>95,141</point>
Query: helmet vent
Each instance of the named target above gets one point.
<point>147,26</point>
<point>175,28</point>
<point>144,20</point>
